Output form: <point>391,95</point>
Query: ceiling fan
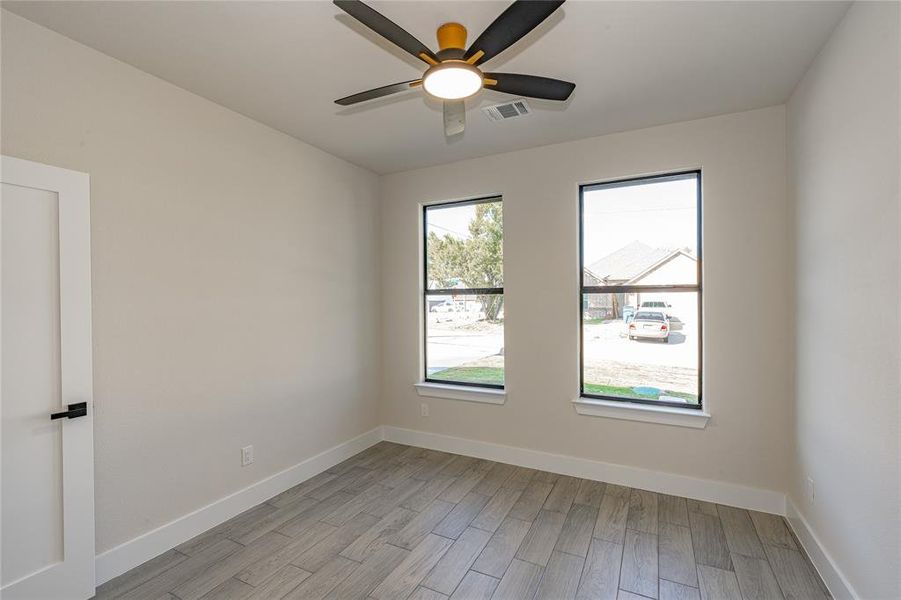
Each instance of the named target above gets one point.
<point>453,74</point>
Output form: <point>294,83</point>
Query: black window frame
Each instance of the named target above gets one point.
<point>697,287</point>
<point>450,292</point>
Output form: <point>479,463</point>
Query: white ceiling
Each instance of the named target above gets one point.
<point>636,64</point>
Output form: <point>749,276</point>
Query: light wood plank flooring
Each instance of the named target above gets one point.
<point>400,522</point>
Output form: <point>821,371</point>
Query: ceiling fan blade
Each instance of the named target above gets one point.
<point>520,18</point>
<point>454,117</point>
<point>387,28</point>
<point>379,92</point>
<point>530,86</point>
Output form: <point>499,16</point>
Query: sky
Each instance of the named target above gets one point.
<point>661,215</point>
<point>451,220</point>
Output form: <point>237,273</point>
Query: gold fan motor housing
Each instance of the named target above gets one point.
<point>451,35</point>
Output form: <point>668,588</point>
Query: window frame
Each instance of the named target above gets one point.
<point>426,292</point>
<point>617,289</point>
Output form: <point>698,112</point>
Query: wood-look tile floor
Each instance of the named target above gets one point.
<point>400,522</point>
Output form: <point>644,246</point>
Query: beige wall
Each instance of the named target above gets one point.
<point>844,163</point>
<point>235,277</point>
<point>747,273</point>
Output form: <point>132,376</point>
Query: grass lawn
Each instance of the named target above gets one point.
<point>627,392</point>
<point>488,375</point>
<point>495,376</point>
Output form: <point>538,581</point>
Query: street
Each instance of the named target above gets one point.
<point>611,358</point>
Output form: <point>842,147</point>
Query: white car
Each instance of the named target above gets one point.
<point>649,324</point>
<point>675,324</point>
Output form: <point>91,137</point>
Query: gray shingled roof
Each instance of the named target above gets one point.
<point>628,261</point>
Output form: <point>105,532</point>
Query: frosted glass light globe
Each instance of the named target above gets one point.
<point>452,81</point>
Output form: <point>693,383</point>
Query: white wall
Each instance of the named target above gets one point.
<point>747,272</point>
<point>844,127</point>
<point>235,277</point>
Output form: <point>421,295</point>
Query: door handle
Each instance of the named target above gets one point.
<point>76,410</point>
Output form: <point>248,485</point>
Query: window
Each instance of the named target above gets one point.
<point>640,263</point>
<point>464,293</point>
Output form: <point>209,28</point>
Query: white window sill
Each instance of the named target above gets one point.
<point>461,392</point>
<point>665,415</point>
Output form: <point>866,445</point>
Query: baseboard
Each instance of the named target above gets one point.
<point>769,501</point>
<point>132,553</point>
<point>832,576</point>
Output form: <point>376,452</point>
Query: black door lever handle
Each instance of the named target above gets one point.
<point>78,409</point>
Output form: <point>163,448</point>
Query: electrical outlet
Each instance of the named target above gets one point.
<point>423,410</point>
<point>246,455</point>
<point>811,491</point>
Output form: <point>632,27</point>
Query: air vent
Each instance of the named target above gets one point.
<point>507,110</point>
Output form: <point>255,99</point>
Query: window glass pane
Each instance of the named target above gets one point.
<point>644,233</point>
<point>465,339</point>
<point>464,245</point>
<point>641,346</point>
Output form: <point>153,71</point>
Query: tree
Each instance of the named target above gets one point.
<point>476,262</point>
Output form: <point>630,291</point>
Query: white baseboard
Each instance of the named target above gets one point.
<point>832,576</point>
<point>656,481</point>
<point>132,553</point>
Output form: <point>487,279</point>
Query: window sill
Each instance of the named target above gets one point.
<point>665,415</point>
<point>461,392</point>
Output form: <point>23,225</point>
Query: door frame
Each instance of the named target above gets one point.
<point>74,577</point>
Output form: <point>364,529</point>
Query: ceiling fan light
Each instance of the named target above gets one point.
<point>452,81</point>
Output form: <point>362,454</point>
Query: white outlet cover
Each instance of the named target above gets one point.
<point>246,456</point>
<point>423,410</point>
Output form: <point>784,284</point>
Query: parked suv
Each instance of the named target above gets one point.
<point>656,305</point>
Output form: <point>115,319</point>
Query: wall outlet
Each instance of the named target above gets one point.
<point>423,410</point>
<point>246,455</point>
<point>811,491</point>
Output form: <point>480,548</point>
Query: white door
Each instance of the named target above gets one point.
<point>47,493</point>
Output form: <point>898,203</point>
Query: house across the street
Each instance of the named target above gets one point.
<point>639,264</point>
